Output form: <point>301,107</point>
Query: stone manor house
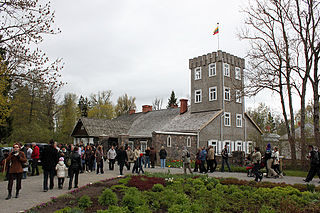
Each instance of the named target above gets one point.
<point>216,115</point>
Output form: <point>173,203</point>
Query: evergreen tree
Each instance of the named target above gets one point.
<point>83,106</point>
<point>172,101</point>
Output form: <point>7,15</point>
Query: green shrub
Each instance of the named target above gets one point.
<point>119,187</point>
<point>133,198</point>
<point>69,210</point>
<point>84,202</point>
<point>142,209</point>
<point>124,180</point>
<point>311,187</point>
<point>108,197</point>
<point>115,209</point>
<point>66,196</point>
<point>157,187</point>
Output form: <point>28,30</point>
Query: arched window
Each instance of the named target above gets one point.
<point>169,141</point>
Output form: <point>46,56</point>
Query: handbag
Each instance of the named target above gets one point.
<point>25,165</point>
<point>198,162</point>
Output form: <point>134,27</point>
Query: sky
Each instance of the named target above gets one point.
<point>142,47</point>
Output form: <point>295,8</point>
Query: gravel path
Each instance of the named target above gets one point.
<point>32,194</point>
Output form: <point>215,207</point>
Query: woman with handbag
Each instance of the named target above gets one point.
<point>15,160</point>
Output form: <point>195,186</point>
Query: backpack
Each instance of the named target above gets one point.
<point>315,159</point>
<point>188,154</point>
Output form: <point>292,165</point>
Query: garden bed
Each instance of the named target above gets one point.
<point>185,193</point>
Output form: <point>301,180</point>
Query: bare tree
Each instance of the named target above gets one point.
<point>157,104</point>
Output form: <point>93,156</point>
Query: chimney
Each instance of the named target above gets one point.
<point>183,105</point>
<point>146,108</point>
<point>132,111</point>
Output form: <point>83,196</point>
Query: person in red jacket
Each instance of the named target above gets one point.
<point>35,157</point>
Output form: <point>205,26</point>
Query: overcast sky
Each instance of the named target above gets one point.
<point>142,47</point>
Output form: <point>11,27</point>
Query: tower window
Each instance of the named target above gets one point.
<point>226,70</point>
<point>239,120</point>
<point>197,73</point>
<point>212,69</point>
<point>212,93</point>
<point>227,94</point>
<point>198,96</point>
<point>237,73</point>
<point>227,119</point>
<point>188,141</point>
<point>238,96</point>
<point>169,141</point>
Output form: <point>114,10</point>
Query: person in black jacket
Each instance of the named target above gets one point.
<point>122,158</point>
<point>314,163</point>
<point>49,160</point>
<point>163,156</point>
<point>74,167</point>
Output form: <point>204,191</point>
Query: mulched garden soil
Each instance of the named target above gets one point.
<point>93,191</point>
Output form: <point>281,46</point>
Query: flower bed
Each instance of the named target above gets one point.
<point>179,193</point>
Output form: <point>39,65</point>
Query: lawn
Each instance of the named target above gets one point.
<point>183,194</point>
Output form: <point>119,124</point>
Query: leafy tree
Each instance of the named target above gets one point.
<point>66,118</point>
<point>83,106</point>
<point>172,101</point>
<point>124,104</point>
<point>101,106</point>
<point>5,109</point>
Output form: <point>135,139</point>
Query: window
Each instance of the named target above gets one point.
<point>169,141</point>
<point>238,96</point>
<point>130,143</point>
<point>226,70</point>
<point>239,146</point>
<point>228,146</point>
<point>239,120</point>
<point>212,69</point>
<point>198,96</point>
<point>237,73</point>
<point>143,146</point>
<point>227,119</point>
<point>197,73</point>
<point>227,93</point>
<point>188,142</point>
<point>213,143</point>
<point>212,93</point>
<point>250,147</point>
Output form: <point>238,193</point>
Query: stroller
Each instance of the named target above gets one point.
<point>250,172</point>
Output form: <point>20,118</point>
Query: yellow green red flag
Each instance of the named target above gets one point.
<point>216,31</point>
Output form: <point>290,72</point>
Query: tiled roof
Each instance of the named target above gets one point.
<point>98,127</point>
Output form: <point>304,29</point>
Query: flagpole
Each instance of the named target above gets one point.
<point>218,35</point>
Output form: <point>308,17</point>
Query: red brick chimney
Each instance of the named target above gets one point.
<point>146,108</point>
<point>183,105</point>
<point>132,111</point>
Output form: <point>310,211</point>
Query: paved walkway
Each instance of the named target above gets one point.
<point>32,194</point>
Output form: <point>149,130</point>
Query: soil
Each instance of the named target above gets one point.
<point>92,191</point>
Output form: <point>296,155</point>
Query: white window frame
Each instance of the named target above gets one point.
<point>226,69</point>
<point>212,69</point>
<point>214,93</point>
<point>227,115</point>
<point>143,146</point>
<point>228,143</point>
<point>226,94</point>
<point>214,144</point>
<point>197,73</point>
<point>130,143</point>
<point>237,73</point>
<point>195,96</point>
<point>249,147</point>
<point>238,120</point>
<point>238,146</point>
<point>169,141</point>
<point>188,141</point>
<point>238,96</point>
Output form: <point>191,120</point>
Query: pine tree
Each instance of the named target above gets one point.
<point>83,106</point>
<point>172,101</point>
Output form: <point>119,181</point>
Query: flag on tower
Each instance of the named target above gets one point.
<point>216,31</point>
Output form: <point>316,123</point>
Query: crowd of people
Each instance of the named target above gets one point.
<point>68,160</point>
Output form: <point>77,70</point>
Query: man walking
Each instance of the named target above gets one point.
<point>225,157</point>
<point>203,156</point>
<point>186,160</point>
<point>314,163</point>
<point>35,157</point>
<point>211,159</point>
<point>112,154</point>
<point>49,160</point>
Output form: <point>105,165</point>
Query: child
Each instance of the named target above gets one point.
<point>61,172</point>
<point>140,163</point>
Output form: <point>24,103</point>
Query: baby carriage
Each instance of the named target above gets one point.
<point>250,172</point>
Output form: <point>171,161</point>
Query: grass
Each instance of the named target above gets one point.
<point>295,173</point>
